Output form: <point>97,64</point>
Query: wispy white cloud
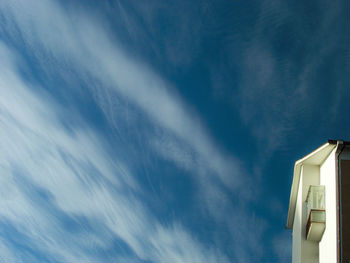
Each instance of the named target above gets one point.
<point>49,176</point>
<point>60,162</point>
<point>280,62</point>
<point>6,255</point>
<point>90,50</point>
<point>179,45</point>
<point>282,248</point>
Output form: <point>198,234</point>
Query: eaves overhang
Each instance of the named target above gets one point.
<point>317,157</point>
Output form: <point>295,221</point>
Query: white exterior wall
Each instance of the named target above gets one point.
<point>309,249</point>
<point>296,256</point>
<point>328,243</point>
<point>304,251</point>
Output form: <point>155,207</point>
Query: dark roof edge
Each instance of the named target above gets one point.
<point>340,141</point>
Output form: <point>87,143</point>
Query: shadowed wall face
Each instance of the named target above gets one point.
<point>345,210</point>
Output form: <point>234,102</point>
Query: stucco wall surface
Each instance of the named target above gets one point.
<point>328,244</point>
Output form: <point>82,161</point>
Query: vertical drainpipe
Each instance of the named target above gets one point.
<point>339,150</point>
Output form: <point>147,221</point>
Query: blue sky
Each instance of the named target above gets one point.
<point>162,131</point>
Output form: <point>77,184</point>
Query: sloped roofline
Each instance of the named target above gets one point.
<point>316,157</point>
